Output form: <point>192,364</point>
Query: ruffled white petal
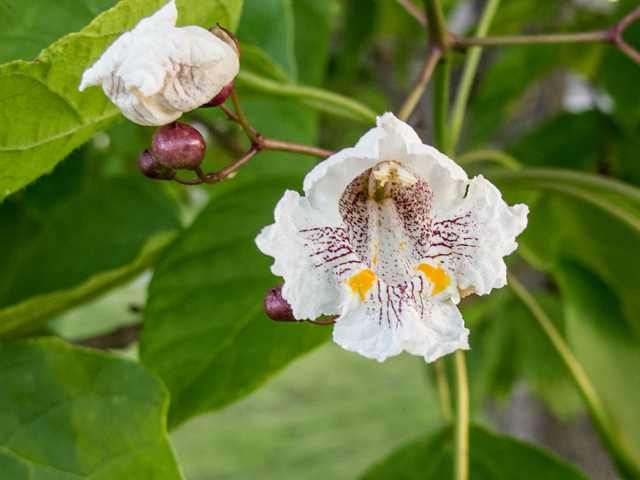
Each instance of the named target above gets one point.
<point>310,254</point>
<point>404,320</point>
<point>388,233</point>
<point>156,72</point>
<point>474,234</point>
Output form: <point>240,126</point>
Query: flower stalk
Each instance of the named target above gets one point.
<point>462,419</point>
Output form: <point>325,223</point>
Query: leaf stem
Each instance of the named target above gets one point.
<point>322,99</point>
<point>468,74</point>
<point>462,420</point>
<point>441,103</point>
<point>437,31</point>
<point>241,119</point>
<point>421,84</point>
<point>486,154</point>
<point>527,176</point>
<point>611,208</point>
<point>601,419</point>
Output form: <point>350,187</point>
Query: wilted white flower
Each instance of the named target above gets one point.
<point>157,71</point>
<point>390,235</point>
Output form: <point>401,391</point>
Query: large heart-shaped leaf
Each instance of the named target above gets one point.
<point>69,414</point>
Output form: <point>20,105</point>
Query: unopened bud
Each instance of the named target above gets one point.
<point>178,146</point>
<point>276,307</point>
<point>220,98</point>
<point>152,168</point>
<point>227,37</point>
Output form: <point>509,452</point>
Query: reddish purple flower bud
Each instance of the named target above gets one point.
<point>227,37</point>
<point>220,98</point>
<point>152,168</point>
<point>178,146</point>
<point>276,307</point>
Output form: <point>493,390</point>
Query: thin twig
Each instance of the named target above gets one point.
<point>183,181</point>
<point>611,35</point>
<point>282,146</point>
<point>272,144</point>
<point>414,11</point>
<point>462,43</point>
<point>220,175</point>
<point>421,84</point>
<point>328,321</point>
<point>241,119</point>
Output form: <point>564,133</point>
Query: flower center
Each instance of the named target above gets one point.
<point>387,214</point>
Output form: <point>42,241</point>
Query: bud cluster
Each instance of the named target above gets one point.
<point>175,146</point>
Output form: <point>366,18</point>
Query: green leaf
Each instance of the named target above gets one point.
<point>270,24</point>
<point>33,312</point>
<point>70,413</point>
<point>43,116</point>
<point>205,333</point>
<point>504,83</point>
<point>256,60</point>
<point>508,345</point>
<point>604,345</point>
<point>100,229</point>
<point>569,141</point>
<point>588,219</point>
<point>93,241</point>
<point>312,35</point>
<point>491,457</point>
<point>28,27</point>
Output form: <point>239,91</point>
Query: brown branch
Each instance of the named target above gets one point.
<point>611,35</point>
<point>421,84</point>
<point>281,146</point>
<point>328,321</point>
<point>414,11</point>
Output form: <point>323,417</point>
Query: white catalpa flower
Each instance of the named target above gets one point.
<point>391,233</point>
<point>157,71</point>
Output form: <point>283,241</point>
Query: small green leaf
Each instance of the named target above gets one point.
<point>43,116</point>
<point>491,457</point>
<point>70,413</point>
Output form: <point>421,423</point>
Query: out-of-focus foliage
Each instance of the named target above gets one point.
<point>71,413</point>
<point>70,234</point>
<point>491,457</point>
